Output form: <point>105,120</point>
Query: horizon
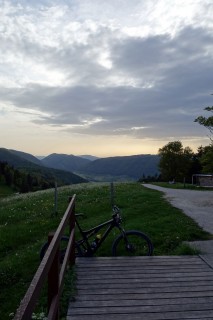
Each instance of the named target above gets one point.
<point>111,78</point>
<point>77,155</point>
<point>82,155</point>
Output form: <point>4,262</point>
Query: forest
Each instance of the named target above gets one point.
<point>22,182</point>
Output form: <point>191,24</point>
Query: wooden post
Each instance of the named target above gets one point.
<point>112,193</point>
<point>72,226</point>
<point>53,278</point>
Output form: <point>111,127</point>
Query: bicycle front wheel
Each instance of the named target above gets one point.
<point>134,243</point>
<point>64,242</point>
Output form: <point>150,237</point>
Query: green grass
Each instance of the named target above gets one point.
<point>179,185</point>
<point>5,191</point>
<point>25,221</point>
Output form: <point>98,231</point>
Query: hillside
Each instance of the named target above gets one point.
<point>128,167</point>
<point>132,166</point>
<point>88,157</point>
<point>64,162</point>
<point>26,222</point>
<point>62,166</point>
<point>19,160</point>
<point>26,156</point>
<point>14,158</point>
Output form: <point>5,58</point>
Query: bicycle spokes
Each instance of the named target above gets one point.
<point>130,247</point>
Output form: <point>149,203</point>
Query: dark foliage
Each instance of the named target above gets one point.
<point>37,177</point>
<point>18,180</point>
<point>133,166</point>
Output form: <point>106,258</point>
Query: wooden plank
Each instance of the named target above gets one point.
<point>131,261</point>
<point>156,301</point>
<point>137,262</point>
<point>208,258</point>
<point>86,277</point>
<point>151,268</point>
<point>138,258</point>
<point>148,285</point>
<point>142,290</point>
<point>146,268</point>
<point>146,288</point>
<point>142,296</point>
<point>141,309</point>
<point>142,281</point>
<point>142,258</point>
<point>192,315</point>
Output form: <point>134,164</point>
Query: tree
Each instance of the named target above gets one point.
<point>207,159</point>
<point>9,174</point>
<point>206,121</point>
<point>17,179</point>
<point>207,152</point>
<point>196,166</point>
<point>175,161</point>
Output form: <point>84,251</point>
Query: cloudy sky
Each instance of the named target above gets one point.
<point>107,78</point>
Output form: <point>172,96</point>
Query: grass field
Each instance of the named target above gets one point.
<point>179,185</point>
<point>25,221</point>
<point>5,191</point>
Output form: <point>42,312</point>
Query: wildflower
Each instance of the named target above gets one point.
<point>39,316</point>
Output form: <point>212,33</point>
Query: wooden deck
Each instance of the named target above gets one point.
<point>149,288</point>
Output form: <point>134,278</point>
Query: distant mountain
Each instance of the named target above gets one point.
<point>29,164</point>
<point>64,162</point>
<point>89,157</point>
<point>26,156</point>
<point>18,159</point>
<point>62,166</point>
<point>132,166</point>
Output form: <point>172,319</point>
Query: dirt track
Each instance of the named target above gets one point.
<point>196,204</point>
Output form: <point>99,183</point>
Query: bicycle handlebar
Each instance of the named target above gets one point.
<point>115,209</point>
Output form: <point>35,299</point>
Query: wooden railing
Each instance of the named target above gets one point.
<point>50,269</point>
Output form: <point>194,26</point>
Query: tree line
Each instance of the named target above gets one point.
<point>178,163</point>
<point>21,181</point>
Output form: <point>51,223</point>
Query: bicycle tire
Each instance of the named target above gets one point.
<point>62,251</point>
<point>139,244</point>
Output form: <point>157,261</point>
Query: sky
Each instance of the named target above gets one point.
<point>105,78</point>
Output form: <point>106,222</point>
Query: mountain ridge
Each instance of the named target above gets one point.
<point>64,162</point>
<point>128,167</point>
<point>20,160</point>
<point>134,166</point>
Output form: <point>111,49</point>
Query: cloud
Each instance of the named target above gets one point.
<point>87,69</point>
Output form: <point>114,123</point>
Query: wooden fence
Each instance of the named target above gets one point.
<point>50,269</point>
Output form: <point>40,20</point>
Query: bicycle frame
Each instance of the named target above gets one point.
<point>87,234</point>
<point>84,247</point>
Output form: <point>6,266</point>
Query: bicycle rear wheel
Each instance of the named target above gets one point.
<point>135,243</point>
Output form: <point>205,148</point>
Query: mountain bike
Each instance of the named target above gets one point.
<point>130,242</point>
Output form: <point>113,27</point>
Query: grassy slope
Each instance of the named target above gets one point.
<point>5,191</point>
<point>179,185</point>
<point>25,221</point>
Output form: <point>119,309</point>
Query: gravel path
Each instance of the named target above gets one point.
<point>199,206</point>
<point>196,204</point>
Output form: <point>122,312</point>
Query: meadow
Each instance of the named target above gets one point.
<point>26,220</point>
<point>179,185</point>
